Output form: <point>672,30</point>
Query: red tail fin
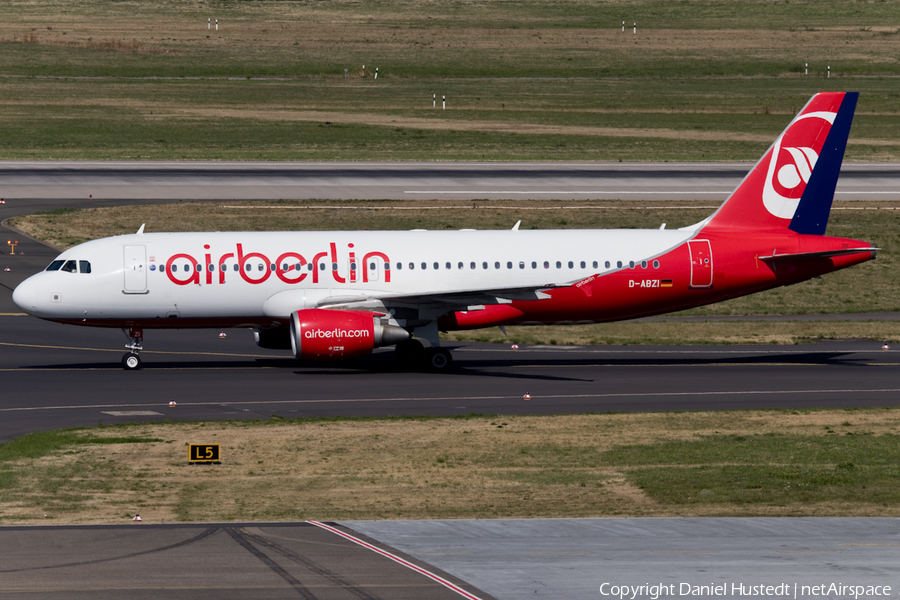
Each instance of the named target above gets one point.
<point>792,186</point>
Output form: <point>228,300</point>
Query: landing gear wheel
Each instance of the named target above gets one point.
<point>131,362</point>
<point>410,353</point>
<point>439,359</point>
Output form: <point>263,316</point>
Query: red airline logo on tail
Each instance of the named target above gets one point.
<point>792,160</point>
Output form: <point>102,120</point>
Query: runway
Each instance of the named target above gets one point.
<point>506,559</point>
<point>64,376</point>
<point>212,561</point>
<point>151,181</point>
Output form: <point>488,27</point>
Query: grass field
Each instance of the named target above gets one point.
<point>525,80</point>
<point>776,463</point>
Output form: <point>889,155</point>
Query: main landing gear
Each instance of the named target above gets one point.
<point>412,354</point>
<point>131,361</point>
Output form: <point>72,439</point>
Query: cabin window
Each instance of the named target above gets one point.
<point>247,267</point>
<point>509,265</point>
<point>211,267</point>
<point>607,264</point>
<point>260,267</point>
<point>399,266</point>
<point>460,265</point>
<point>199,267</point>
<point>162,268</point>
<point>655,264</point>
<point>84,266</point>
<point>534,264</point>
<point>471,265</point>
<point>334,266</point>
<point>484,265</point>
<point>630,264</point>
<point>618,264</point>
<point>412,266</point>
<point>571,265</point>
<point>643,264</point>
<point>583,265</point>
<point>387,266</point>
<point>437,266</point>
<point>55,265</point>
<point>546,264</point>
<point>424,266</point>
<point>236,267</point>
<point>321,266</point>
<point>174,268</point>
<point>447,265</point>
<point>223,267</point>
<point>70,267</point>
<point>559,264</point>
<point>297,267</point>
<point>371,266</point>
<point>521,264</point>
<point>497,265</point>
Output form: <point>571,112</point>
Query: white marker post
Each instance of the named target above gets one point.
<point>623,26</point>
<point>635,28</point>
<point>217,24</point>
<point>443,102</point>
<point>376,72</point>
<point>434,101</point>
<point>829,72</point>
<point>806,68</point>
<point>208,21</point>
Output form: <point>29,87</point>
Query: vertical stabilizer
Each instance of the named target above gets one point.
<point>792,186</point>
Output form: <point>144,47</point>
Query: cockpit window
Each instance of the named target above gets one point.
<point>70,267</point>
<point>55,265</point>
<point>84,266</point>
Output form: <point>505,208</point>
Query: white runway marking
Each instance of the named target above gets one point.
<point>398,560</point>
<point>188,404</point>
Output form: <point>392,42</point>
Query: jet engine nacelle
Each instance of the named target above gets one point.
<point>320,334</point>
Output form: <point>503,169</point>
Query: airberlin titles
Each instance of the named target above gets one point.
<point>289,267</point>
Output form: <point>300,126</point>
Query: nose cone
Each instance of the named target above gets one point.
<point>26,294</point>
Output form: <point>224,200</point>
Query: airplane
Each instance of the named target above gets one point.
<point>340,294</point>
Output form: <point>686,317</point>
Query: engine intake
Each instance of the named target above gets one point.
<point>319,334</point>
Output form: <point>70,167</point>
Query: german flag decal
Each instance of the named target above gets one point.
<point>665,283</point>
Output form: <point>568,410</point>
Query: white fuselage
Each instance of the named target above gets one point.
<point>252,276</point>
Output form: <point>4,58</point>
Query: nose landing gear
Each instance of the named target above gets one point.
<point>131,361</point>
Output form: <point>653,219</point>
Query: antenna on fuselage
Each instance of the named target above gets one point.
<point>516,226</point>
<point>141,230</point>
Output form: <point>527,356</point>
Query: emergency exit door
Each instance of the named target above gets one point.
<point>701,264</point>
<point>135,269</point>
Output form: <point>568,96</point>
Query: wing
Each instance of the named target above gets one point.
<point>443,301</point>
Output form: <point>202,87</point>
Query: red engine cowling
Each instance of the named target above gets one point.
<point>319,334</point>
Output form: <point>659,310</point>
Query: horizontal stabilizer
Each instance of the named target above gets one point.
<point>811,255</point>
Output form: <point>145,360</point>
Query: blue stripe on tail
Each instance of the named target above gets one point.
<point>811,216</point>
